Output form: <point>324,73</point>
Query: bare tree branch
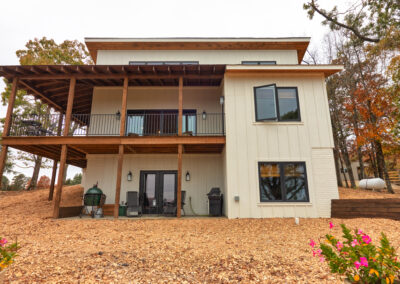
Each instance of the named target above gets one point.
<point>336,22</point>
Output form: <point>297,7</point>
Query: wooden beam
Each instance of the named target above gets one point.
<point>123,107</point>
<point>70,104</point>
<point>179,191</point>
<point>7,125</point>
<point>64,149</point>
<point>42,97</point>
<point>120,76</point>
<point>119,176</point>
<point>180,106</point>
<point>60,181</point>
<point>112,140</point>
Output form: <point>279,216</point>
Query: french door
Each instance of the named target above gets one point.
<point>159,122</point>
<point>157,188</point>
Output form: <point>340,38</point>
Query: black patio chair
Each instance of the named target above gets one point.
<point>170,208</point>
<point>133,206</point>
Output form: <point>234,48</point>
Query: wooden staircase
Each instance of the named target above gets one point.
<point>394,177</point>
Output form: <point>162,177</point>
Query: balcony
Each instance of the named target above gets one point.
<point>138,124</point>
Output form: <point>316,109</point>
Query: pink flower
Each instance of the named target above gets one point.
<point>360,232</point>
<point>317,252</point>
<point>322,259</point>
<point>357,264</point>
<point>354,243</point>
<point>3,242</point>
<point>339,246</point>
<point>364,261</point>
<point>330,225</point>
<point>312,243</point>
<point>366,239</point>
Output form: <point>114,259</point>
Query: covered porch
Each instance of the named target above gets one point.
<point>72,133</point>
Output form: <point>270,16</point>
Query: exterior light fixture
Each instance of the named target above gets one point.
<point>187,176</point>
<point>204,115</point>
<point>221,100</point>
<point>118,115</point>
<point>129,176</point>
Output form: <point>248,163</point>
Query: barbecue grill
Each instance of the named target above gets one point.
<point>95,199</point>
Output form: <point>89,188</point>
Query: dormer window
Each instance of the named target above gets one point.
<point>276,103</point>
<point>259,62</point>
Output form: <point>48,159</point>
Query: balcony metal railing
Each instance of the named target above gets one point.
<point>164,124</point>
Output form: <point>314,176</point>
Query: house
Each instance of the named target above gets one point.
<point>165,115</point>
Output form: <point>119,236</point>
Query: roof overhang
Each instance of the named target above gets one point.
<point>326,70</point>
<point>50,83</point>
<point>299,44</point>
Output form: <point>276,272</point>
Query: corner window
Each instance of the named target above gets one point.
<point>259,62</point>
<point>276,103</point>
<point>283,182</point>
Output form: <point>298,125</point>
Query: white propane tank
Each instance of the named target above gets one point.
<point>372,183</point>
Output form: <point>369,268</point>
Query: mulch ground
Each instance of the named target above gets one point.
<point>351,193</point>
<point>187,250</point>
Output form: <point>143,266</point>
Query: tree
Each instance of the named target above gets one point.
<point>19,182</point>
<point>368,48</point>
<point>368,20</point>
<point>42,52</point>
<point>44,182</point>
<point>5,183</point>
<point>77,179</point>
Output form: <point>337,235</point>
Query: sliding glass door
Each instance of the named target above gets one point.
<point>159,122</point>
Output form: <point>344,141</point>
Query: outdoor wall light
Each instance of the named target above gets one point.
<point>204,115</point>
<point>221,100</point>
<point>129,176</point>
<point>187,176</point>
<point>118,115</point>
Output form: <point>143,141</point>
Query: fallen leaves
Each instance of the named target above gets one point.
<point>187,250</point>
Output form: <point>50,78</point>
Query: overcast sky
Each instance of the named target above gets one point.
<point>21,21</point>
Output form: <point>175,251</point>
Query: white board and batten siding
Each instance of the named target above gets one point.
<point>206,171</point>
<point>250,142</point>
<point>116,57</point>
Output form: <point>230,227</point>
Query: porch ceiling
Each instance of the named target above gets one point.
<point>79,147</point>
<point>50,83</point>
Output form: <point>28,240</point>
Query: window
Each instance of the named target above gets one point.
<point>259,62</point>
<point>163,62</point>
<point>283,182</point>
<point>276,103</point>
<point>159,122</point>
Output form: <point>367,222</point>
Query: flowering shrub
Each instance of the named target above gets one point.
<point>357,258</point>
<point>7,253</point>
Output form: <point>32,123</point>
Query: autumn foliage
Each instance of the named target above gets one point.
<point>44,182</point>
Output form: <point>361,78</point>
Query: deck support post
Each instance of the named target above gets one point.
<point>7,126</point>
<point>64,149</point>
<point>119,177</point>
<point>121,147</point>
<point>54,172</point>
<point>123,107</point>
<point>180,106</point>
<point>179,191</point>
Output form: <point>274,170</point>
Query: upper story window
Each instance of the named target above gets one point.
<point>163,62</point>
<point>276,103</point>
<point>259,62</point>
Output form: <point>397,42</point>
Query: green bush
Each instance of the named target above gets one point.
<point>357,258</point>
<point>7,253</point>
